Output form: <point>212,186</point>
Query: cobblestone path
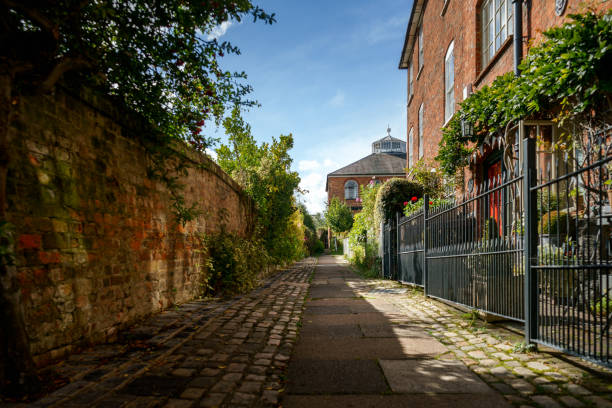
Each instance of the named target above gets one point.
<point>352,342</point>
<point>203,354</point>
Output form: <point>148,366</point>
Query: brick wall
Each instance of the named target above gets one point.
<point>335,187</point>
<point>97,243</point>
<point>460,23</point>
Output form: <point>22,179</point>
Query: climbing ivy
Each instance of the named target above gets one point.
<point>567,76</point>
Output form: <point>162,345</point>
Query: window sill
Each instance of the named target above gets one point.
<point>410,98</point>
<point>483,73</point>
<point>419,73</point>
<point>449,119</point>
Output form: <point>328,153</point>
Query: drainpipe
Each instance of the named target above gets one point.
<point>518,35</point>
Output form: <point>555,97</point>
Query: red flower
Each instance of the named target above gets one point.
<point>431,202</point>
<point>413,199</point>
<point>405,203</point>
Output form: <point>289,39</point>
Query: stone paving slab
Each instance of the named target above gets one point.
<point>336,376</point>
<point>332,332</point>
<point>337,319</point>
<point>392,401</point>
<point>230,352</point>
<point>432,376</point>
<point>393,331</point>
<point>347,348</point>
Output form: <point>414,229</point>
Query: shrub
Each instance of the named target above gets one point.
<point>557,222</point>
<point>366,259</point>
<point>393,194</point>
<point>234,263</point>
<point>338,216</point>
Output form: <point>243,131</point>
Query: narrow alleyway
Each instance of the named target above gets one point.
<point>357,349</point>
<point>317,335</point>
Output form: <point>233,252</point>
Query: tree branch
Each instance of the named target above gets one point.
<point>65,64</point>
<point>33,13</point>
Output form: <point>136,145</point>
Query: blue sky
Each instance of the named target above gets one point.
<point>327,73</point>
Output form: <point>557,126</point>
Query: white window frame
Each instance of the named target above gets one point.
<point>410,81</point>
<point>411,148</point>
<point>421,132</point>
<point>351,186</point>
<point>496,26</point>
<point>421,52</point>
<point>449,83</point>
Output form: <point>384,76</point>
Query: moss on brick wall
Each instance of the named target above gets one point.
<point>97,243</point>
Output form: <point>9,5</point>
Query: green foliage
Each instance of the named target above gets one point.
<point>393,194</point>
<point>547,200</point>
<point>363,235</point>
<point>264,173</point>
<point>158,59</point>
<point>364,223</point>
<point>522,347</point>
<point>338,216</point>
<point>234,263</point>
<point>602,306</point>
<point>425,174</point>
<point>365,258</point>
<point>308,219</point>
<point>411,207</point>
<point>569,70</point>
<point>557,222</point>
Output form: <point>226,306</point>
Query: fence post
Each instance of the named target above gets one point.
<point>425,211</point>
<point>398,261</point>
<point>530,244</point>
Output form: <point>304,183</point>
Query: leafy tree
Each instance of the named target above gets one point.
<point>338,216</point>
<point>264,172</point>
<point>156,58</point>
<point>308,219</point>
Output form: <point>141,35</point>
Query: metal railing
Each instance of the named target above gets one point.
<point>474,249</point>
<point>570,256</point>
<point>532,245</point>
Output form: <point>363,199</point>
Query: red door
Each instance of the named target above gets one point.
<point>493,173</point>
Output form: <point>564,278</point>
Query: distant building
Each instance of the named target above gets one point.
<point>388,160</point>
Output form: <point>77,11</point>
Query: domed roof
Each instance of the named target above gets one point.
<point>389,144</point>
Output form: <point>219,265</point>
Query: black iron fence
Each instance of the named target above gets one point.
<point>533,245</point>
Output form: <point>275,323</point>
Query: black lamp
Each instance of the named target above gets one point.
<point>467,128</point>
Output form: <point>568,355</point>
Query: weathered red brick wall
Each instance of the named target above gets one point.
<point>97,243</point>
<point>460,23</point>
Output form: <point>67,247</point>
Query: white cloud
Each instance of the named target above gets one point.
<point>219,30</point>
<point>338,99</point>
<point>328,163</point>
<point>305,165</point>
<point>316,196</point>
<point>313,174</point>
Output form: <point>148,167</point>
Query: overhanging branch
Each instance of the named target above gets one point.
<point>64,65</point>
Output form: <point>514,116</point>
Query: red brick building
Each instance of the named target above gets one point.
<point>388,160</point>
<point>453,47</point>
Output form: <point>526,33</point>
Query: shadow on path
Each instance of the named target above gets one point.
<point>356,349</point>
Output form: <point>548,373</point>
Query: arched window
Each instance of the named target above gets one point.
<point>350,190</point>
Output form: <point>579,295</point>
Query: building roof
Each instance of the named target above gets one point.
<point>411,32</point>
<point>375,164</point>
